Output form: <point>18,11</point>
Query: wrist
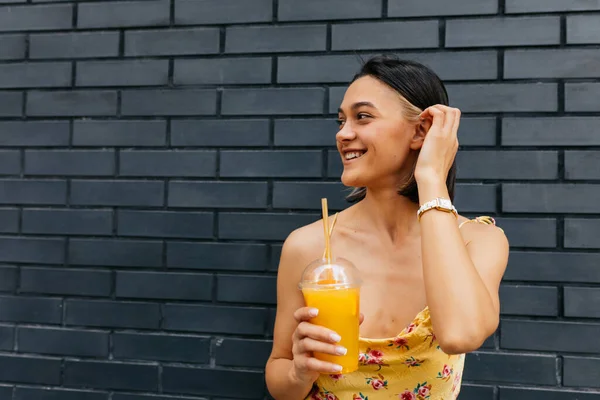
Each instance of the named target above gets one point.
<point>431,189</point>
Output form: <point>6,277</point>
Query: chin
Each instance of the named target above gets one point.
<point>353,178</point>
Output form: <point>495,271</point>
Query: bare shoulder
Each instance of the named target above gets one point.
<point>301,247</point>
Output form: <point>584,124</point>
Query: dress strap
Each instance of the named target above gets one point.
<point>484,219</point>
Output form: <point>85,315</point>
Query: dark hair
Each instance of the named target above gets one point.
<point>422,88</point>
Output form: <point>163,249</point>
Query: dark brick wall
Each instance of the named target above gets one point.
<point>154,154</point>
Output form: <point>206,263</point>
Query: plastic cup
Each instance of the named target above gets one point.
<point>334,289</point>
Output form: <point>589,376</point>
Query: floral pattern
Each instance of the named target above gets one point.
<point>321,394</point>
<point>360,396</point>
<point>446,373</point>
<point>413,362</point>
<point>377,382</point>
<point>399,342</point>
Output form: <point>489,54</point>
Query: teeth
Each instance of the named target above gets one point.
<point>353,154</point>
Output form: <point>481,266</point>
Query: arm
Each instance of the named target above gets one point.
<point>461,282</point>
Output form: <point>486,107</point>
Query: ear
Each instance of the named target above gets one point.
<point>420,131</point>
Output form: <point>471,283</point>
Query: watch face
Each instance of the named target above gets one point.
<point>445,203</point>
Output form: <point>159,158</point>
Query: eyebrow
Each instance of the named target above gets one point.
<point>358,105</point>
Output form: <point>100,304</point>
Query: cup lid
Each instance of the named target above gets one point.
<point>339,273</point>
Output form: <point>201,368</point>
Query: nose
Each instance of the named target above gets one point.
<point>345,134</point>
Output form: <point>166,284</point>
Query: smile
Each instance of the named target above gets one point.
<point>352,155</point>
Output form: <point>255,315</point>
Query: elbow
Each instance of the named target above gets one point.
<point>466,340</point>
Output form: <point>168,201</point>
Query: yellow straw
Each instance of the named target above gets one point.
<point>326,229</point>
<point>330,232</point>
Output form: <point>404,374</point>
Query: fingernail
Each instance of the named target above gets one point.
<point>341,350</point>
<point>335,337</point>
<point>337,368</point>
<point>313,312</point>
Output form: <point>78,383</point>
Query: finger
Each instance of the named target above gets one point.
<point>456,124</point>
<point>438,118</point>
<point>361,318</point>
<point>449,118</point>
<point>324,367</point>
<point>307,345</point>
<point>305,313</point>
<point>316,332</point>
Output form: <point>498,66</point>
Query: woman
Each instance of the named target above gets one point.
<point>431,279</point>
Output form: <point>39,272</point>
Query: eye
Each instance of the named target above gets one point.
<point>340,122</point>
<point>360,116</point>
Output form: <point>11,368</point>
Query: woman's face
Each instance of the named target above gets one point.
<point>374,138</point>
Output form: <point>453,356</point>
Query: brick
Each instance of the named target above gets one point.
<point>248,385</point>
<point>35,75</point>
<point>554,336</point>
<point>7,338</point>
<point>273,39</point>
<point>334,164</point>
<point>214,319</point>
<point>8,283</point>
<point>36,17</point>
<point>529,300</point>
<point>582,302</point>
<point>477,131</point>
<point>169,102</point>
<point>583,29</point>
<point>475,197</point>
<point>158,285</point>
<point>454,65</point>
<point>507,393</point>
<point>506,164</point>
<point>553,267</point>
<point>6,392</point>
<point>290,164</point>
<point>246,289</point>
<point>12,47</point>
<point>81,103</point>
<point>201,12</point>
<point>74,45</point>
<point>119,133</point>
<point>308,10</point>
<point>305,132</point>
<point>111,375</point>
<point>550,131</point>
<point>30,310</point>
<point>123,14</point>
<point>23,393</point>
<point>63,342</point>
<point>220,133</point>
<point>580,371</point>
<point>115,252</point>
<point>385,35</point>
<point>240,257</point>
<point>551,63</point>
<point>256,352</point>
<point>504,97</point>
<point>34,133</point>
<point>124,396</point>
<point>112,314</point>
<point>122,73</point>
<point>69,162</point>
<point>178,348</point>
<point>415,8</point>
<point>165,224</point>
<point>581,164</point>
<point>10,162</point>
<point>273,101</point>
<point>476,392</point>
<point>517,31</point>
<point>18,369</point>
<point>556,198</point>
<point>168,163</point>
<point>500,368</point>
<point>32,250</point>
<point>11,104</point>
<point>117,193</point>
<point>527,6</point>
<point>529,232</point>
<point>172,42</point>
<point>222,71</point>
<point>305,195</point>
<point>273,226</point>
<point>582,96</point>
<point>218,194</point>
<point>65,281</point>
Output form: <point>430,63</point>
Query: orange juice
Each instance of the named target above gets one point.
<point>339,311</point>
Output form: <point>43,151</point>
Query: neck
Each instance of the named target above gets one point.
<point>387,212</point>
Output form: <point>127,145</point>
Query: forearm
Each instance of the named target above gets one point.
<point>460,305</point>
<point>281,381</point>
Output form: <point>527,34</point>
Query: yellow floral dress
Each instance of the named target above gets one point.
<point>410,366</point>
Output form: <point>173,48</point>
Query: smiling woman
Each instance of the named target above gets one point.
<point>430,279</point>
